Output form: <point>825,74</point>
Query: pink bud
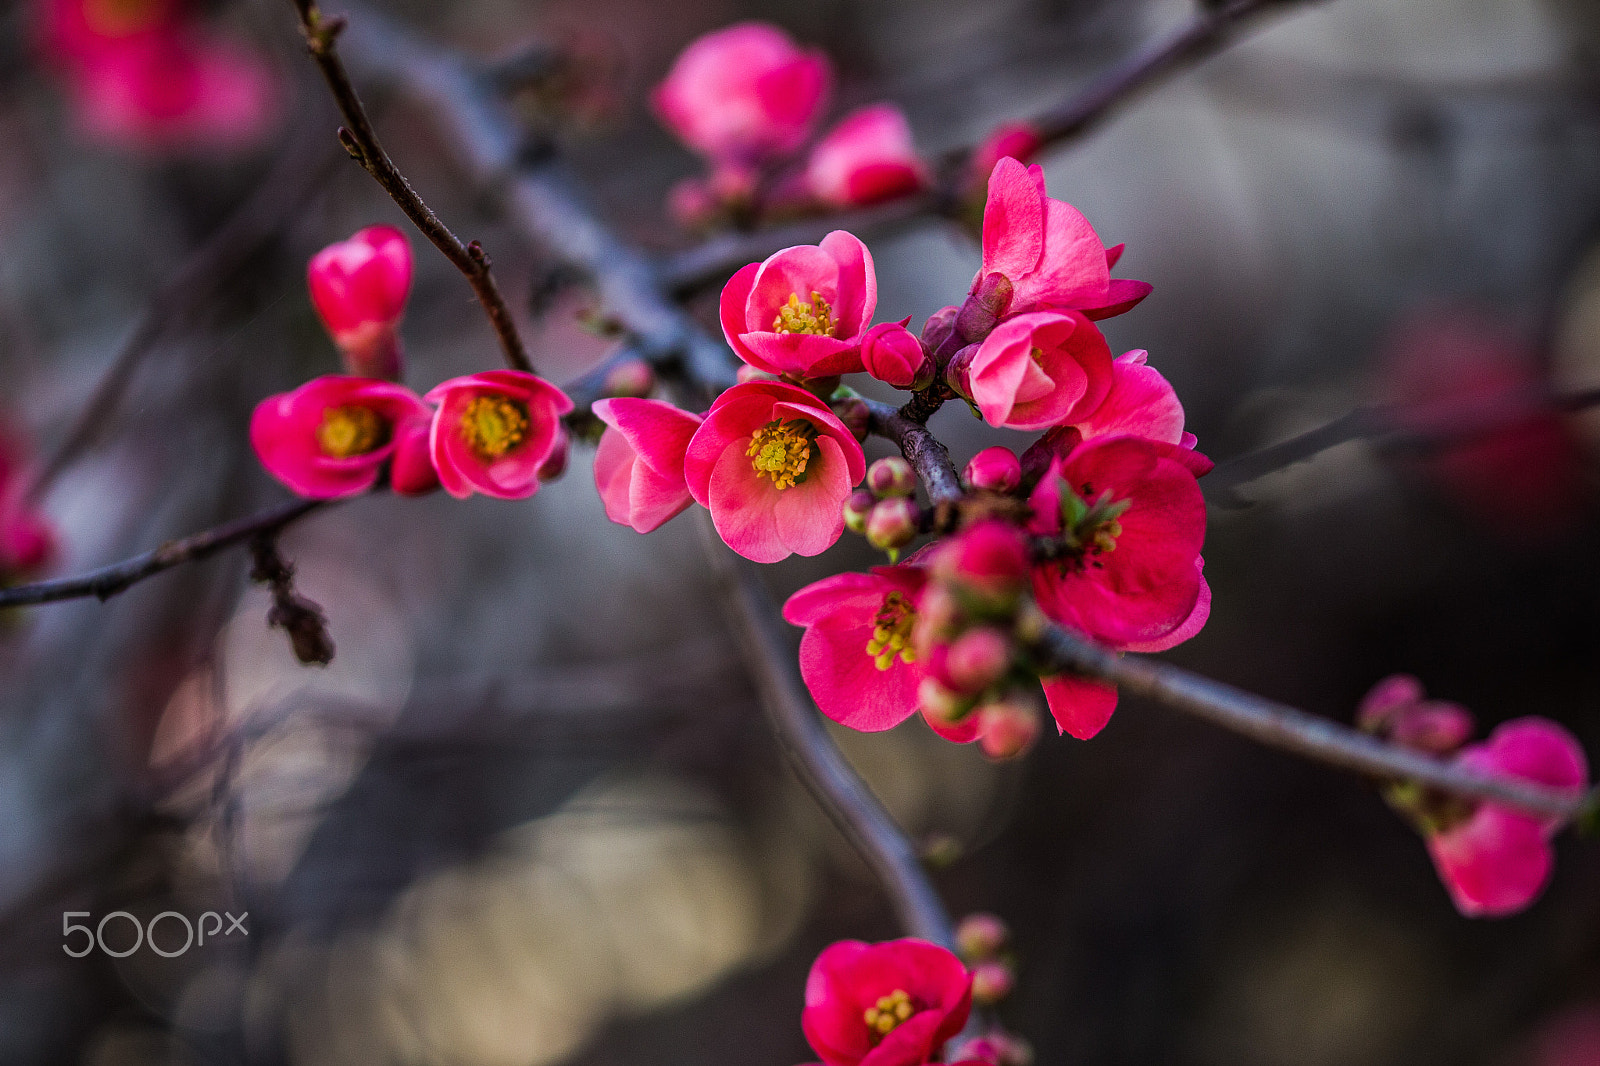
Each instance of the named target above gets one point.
<point>976,659</point>
<point>857,509</point>
<point>891,476</point>
<point>27,543</point>
<point>1386,699</point>
<point>938,702</point>
<point>630,378</point>
<point>1396,710</point>
<point>359,288</point>
<point>1007,729</point>
<point>893,356</point>
<point>411,473</point>
<point>867,158</point>
<point>996,469</point>
<point>958,371</point>
<point>992,981</point>
<point>938,328</point>
<point>893,523</point>
<point>985,305</point>
<point>980,936</point>
<point>1013,140</point>
<point>988,559</point>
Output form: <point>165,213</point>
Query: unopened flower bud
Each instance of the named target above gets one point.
<point>854,414</point>
<point>939,703</point>
<point>411,472</point>
<point>987,562</point>
<point>1007,729</point>
<point>976,659</point>
<point>1016,140</point>
<point>857,509</point>
<point>992,981</point>
<point>359,289</point>
<point>892,355</point>
<point>997,469</point>
<point>940,325</point>
<point>555,463</point>
<point>986,304</point>
<point>981,936</point>
<point>958,372</point>
<point>630,378</point>
<point>892,476</point>
<point>893,524</point>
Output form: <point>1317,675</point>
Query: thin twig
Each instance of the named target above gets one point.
<point>118,577</point>
<point>1290,729</point>
<point>361,141</point>
<point>926,453</point>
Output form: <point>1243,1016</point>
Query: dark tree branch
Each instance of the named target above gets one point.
<point>926,453</point>
<point>118,577</point>
<point>361,141</point>
<point>1290,729</point>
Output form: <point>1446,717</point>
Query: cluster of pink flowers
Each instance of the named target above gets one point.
<point>145,74</point>
<point>497,432</point>
<point>747,98</point>
<point>1494,859</point>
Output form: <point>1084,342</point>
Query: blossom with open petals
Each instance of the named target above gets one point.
<point>1498,859</point>
<point>805,310</point>
<point>638,467</point>
<point>774,466</point>
<point>888,1004</point>
<point>867,158</point>
<point>331,436</point>
<point>1047,249</point>
<point>744,94</point>
<point>359,288</point>
<point>494,432</point>
<point>1038,370</point>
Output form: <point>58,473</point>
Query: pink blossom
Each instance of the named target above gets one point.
<point>331,436</point>
<point>1048,251</point>
<point>76,30</point>
<point>1498,860</point>
<point>28,541</point>
<point>996,469</point>
<point>856,656</point>
<point>639,465</point>
<point>1396,710</point>
<point>175,91</point>
<point>744,93</point>
<point>774,466</point>
<point>1038,370</point>
<point>1009,140</point>
<point>891,353</point>
<point>868,157</point>
<point>493,432</point>
<point>412,473</point>
<point>805,310</point>
<point>359,288</point>
<point>1140,403</point>
<point>1130,521</point>
<point>889,1004</point>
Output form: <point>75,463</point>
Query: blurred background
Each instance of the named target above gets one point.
<point>532,814</point>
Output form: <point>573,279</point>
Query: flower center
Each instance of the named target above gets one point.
<point>796,317</point>
<point>351,430</point>
<point>891,632</point>
<point>493,425</point>
<point>780,451</point>
<point>1090,529</point>
<point>883,1016</point>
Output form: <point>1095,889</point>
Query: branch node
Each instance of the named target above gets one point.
<point>300,618</point>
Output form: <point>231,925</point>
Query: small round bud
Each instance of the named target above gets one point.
<point>996,469</point>
<point>892,355</point>
<point>992,981</point>
<point>940,325</point>
<point>893,523</point>
<point>630,378</point>
<point>981,936</point>
<point>857,509</point>
<point>891,477</point>
<point>939,703</point>
<point>854,414</point>
<point>1007,729</point>
<point>976,659</point>
<point>958,372</point>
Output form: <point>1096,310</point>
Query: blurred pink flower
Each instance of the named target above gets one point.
<point>867,158</point>
<point>1396,710</point>
<point>28,541</point>
<point>744,94</point>
<point>856,656</point>
<point>1038,370</point>
<point>889,1004</point>
<point>1571,1038</point>
<point>996,469</point>
<point>359,288</point>
<point>411,473</point>
<point>331,436</point>
<point>805,310</point>
<point>1009,140</point>
<point>494,431</point>
<point>75,30</point>
<point>1047,249</point>
<point>892,353</point>
<point>774,466</point>
<point>1498,860</point>
<point>638,468</point>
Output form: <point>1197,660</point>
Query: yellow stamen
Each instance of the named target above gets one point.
<point>796,317</point>
<point>493,425</point>
<point>119,18</point>
<point>351,430</point>
<point>883,1016</point>
<point>1037,355</point>
<point>781,451</point>
<point>891,631</point>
